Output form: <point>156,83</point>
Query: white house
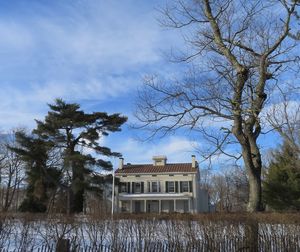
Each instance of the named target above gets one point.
<point>160,187</point>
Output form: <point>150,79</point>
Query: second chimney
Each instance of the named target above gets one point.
<point>121,163</point>
<point>194,161</point>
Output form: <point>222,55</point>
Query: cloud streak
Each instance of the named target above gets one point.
<point>177,149</point>
<point>76,50</point>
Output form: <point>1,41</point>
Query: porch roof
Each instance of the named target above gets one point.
<point>147,196</point>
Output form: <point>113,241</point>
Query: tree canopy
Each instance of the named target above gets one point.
<point>281,186</point>
<point>237,51</point>
<point>70,134</point>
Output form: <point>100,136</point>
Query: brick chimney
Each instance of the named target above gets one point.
<point>159,160</point>
<point>121,163</point>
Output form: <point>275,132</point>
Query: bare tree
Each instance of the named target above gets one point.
<point>284,117</point>
<point>229,189</point>
<point>236,49</point>
<point>12,172</point>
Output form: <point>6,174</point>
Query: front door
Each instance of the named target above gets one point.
<point>152,206</point>
<point>137,206</point>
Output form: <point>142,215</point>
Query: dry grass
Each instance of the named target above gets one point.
<point>32,230</point>
<point>233,218</point>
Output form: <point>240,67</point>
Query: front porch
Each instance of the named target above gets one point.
<point>156,206</point>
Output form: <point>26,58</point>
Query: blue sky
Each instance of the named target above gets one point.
<point>87,51</point>
<point>93,52</point>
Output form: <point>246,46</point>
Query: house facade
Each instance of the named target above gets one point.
<point>160,187</point>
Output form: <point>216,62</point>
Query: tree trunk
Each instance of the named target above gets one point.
<point>6,198</point>
<point>63,245</point>
<point>69,200</point>
<point>251,236</point>
<point>77,186</point>
<point>255,193</point>
<point>78,198</point>
<point>253,167</point>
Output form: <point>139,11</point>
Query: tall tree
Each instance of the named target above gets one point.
<point>73,132</point>
<point>282,181</point>
<point>237,50</point>
<point>43,174</point>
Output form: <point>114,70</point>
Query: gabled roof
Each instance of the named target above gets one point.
<point>152,169</point>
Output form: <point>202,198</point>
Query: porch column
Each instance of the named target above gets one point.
<point>189,210</point>
<point>131,207</point>
<point>145,206</point>
<point>174,205</point>
<point>159,206</point>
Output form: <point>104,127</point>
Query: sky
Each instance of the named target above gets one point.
<point>92,52</point>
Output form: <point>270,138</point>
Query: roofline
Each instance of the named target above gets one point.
<point>132,164</point>
<point>154,173</point>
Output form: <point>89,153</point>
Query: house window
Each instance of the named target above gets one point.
<point>125,206</point>
<point>155,186</point>
<point>123,187</point>
<point>171,186</point>
<point>137,187</point>
<point>184,186</point>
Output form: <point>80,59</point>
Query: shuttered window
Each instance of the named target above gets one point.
<point>124,187</point>
<point>155,186</point>
<point>137,187</point>
<point>184,186</point>
<point>176,186</point>
<point>171,187</point>
<point>142,187</point>
<point>128,187</point>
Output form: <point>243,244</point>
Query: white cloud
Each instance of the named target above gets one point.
<point>75,50</point>
<point>15,36</point>
<point>105,33</point>
<point>177,149</point>
<point>20,107</point>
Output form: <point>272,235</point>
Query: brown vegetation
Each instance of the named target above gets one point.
<point>229,232</point>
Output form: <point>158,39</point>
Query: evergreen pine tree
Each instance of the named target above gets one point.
<point>42,177</point>
<point>281,188</point>
<point>69,129</point>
